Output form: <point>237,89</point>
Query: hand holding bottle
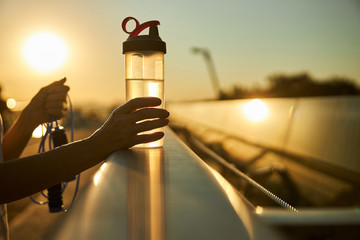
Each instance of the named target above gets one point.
<point>124,126</point>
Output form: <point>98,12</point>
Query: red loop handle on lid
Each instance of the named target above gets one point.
<point>139,27</point>
<point>126,20</point>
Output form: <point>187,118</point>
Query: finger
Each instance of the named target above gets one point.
<point>150,125</point>
<point>61,81</point>
<point>58,82</point>
<point>146,138</point>
<point>137,103</point>
<point>58,113</point>
<point>56,105</point>
<point>56,108</point>
<point>57,88</point>
<point>147,113</point>
<point>57,97</point>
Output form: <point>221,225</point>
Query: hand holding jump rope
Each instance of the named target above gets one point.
<point>51,98</point>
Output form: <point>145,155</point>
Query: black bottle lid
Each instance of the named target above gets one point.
<point>136,42</point>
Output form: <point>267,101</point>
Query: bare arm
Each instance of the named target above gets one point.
<point>16,138</point>
<point>25,176</point>
<point>49,101</point>
<point>22,177</point>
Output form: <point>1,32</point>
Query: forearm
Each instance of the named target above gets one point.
<point>44,170</point>
<point>17,137</point>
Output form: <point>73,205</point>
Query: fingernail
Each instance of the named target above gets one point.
<point>158,101</point>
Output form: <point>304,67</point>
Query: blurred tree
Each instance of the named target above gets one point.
<point>297,85</point>
<point>290,86</point>
<point>339,86</point>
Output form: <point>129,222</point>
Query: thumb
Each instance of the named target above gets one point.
<point>59,82</point>
<point>54,84</point>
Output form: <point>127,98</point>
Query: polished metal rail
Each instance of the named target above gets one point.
<point>241,175</point>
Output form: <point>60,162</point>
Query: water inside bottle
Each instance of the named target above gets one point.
<point>146,88</point>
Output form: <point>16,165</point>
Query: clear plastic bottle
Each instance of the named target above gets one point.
<point>144,66</point>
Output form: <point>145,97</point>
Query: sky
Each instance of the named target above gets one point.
<point>248,41</point>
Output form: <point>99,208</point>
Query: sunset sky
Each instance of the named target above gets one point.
<point>248,40</point>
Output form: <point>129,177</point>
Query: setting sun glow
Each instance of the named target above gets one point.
<point>255,110</point>
<point>45,52</point>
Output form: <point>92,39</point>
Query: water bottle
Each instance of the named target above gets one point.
<point>144,65</point>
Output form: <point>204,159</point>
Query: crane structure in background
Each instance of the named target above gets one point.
<point>211,69</point>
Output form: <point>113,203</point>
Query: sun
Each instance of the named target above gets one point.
<point>45,51</point>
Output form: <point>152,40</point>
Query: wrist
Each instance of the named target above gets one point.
<point>26,117</point>
<point>96,147</point>
<point>25,122</point>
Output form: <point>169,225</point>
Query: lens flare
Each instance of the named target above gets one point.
<point>11,103</point>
